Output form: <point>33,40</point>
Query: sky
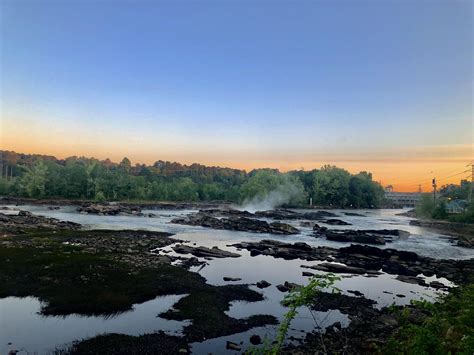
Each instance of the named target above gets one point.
<point>381,86</point>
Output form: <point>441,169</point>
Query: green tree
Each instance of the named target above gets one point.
<point>34,180</point>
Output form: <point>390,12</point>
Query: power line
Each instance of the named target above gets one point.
<point>447,177</point>
<point>426,179</point>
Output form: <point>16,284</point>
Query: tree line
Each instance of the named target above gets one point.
<point>40,176</point>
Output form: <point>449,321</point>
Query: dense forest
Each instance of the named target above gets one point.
<point>40,176</point>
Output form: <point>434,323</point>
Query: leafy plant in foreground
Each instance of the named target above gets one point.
<point>298,297</point>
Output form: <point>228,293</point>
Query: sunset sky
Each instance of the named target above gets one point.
<point>383,86</point>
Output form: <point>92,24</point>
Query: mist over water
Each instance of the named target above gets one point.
<point>269,200</point>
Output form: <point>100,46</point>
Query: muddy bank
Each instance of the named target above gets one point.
<point>366,259</point>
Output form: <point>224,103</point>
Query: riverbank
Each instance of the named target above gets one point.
<point>464,232</point>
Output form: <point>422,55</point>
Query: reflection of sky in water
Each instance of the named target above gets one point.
<point>26,328</point>
<point>22,326</point>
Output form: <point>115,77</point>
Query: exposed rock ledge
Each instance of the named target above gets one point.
<point>236,223</point>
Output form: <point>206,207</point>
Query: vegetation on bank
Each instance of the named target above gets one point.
<point>38,176</point>
<point>449,328</point>
<point>299,296</point>
<point>428,207</point>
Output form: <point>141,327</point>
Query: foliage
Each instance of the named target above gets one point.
<point>425,206</point>
<point>456,192</point>
<point>39,176</point>
<point>428,208</point>
<point>466,217</point>
<point>449,329</point>
<point>298,297</point>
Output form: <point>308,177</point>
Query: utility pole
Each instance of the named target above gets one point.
<point>472,181</point>
<point>434,189</point>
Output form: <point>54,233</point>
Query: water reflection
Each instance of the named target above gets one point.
<point>23,328</point>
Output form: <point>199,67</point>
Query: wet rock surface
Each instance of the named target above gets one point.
<point>365,258</point>
<point>109,209</point>
<point>26,221</point>
<point>365,236</point>
<point>263,284</point>
<point>338,268</point>
<point>336,222</point>
<point>204,252</point>
<point>236,223</point>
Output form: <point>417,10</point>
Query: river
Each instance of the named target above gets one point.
<point>24,329</point>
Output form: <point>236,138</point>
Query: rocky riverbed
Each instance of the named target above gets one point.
<point>363,259</point>
<point>242,273</point>
<point>236,223</point>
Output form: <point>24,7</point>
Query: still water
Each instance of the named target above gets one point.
<point>24,329</point>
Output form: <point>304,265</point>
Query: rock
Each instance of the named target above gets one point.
<point>204,252</point>
<point>465,242</point>
<point>337,268</point>
<point>109,209</point>
<point>263,284</point>
<point>336,222</point>
<point>255,252</point>
<point>282,288</point>
<point>438,285</point>
<point>232,346</point>
<point>411,280</point>
<point>351,237</point>
<point>282,228</point>
<point>237,223</point>
<point>255,339</point>
<point>368,236</point>
<point>308,274</point>
<point>25,213</point>
<point>367,259</point>
<point>356,293</point>
<point>291,285</point>
<point>25,220</point>
<point>225,278</point>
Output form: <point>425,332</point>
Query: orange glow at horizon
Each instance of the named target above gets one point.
<point>403,173</point>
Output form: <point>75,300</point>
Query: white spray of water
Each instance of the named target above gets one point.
<point>283,194</point>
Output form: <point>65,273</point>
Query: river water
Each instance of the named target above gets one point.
<point>23,328</point>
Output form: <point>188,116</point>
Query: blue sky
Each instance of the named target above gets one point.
<point>238,83</point>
